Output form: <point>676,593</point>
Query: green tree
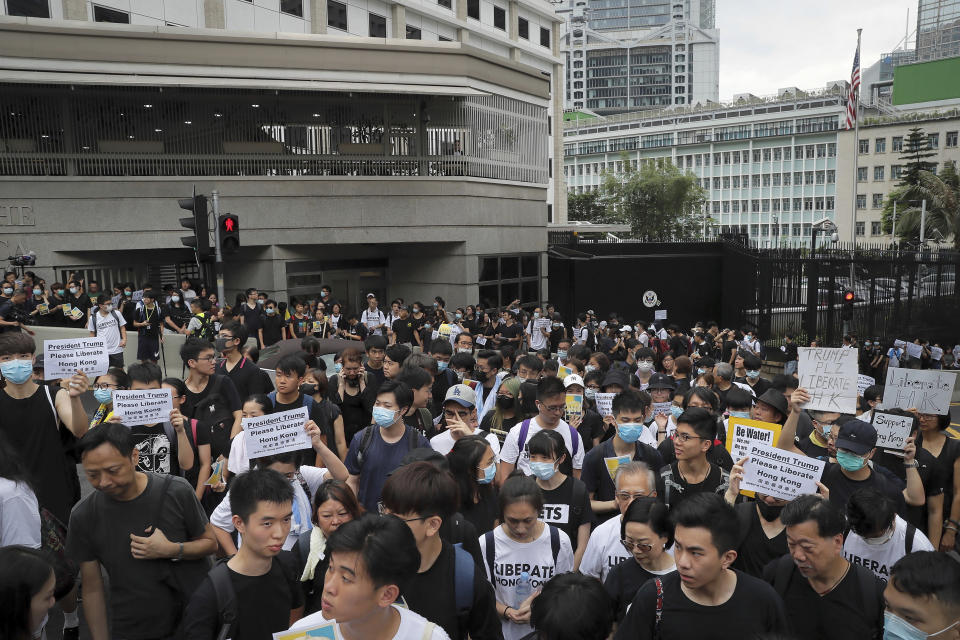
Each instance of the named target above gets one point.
<point>586,207</point>
<point>916,148</point>
<point>658,201</point>
<point>942,193</point>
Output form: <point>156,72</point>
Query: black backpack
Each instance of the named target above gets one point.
<point>365,439</point>
<point>205,332</point>
<point>213,413</point>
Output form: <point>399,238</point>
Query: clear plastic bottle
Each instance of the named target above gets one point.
<point>522,590</point>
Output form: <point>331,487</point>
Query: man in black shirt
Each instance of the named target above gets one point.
<point>148,320</point>
<point>825,595</point>
<point>423,496</point>
<point>692,472</point>
<point>705,597</point>
<point>242,371</point>
<point>376,351</point>
<point>401,331</point>
<point>251,314</point>
<point>163,447</point>
<point>509,333</point>
<point>266,594</point>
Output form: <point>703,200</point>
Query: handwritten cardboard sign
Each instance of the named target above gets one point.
<point>926,390</point>
<point>830,377</point>
<point>276,433</point>
<point>63,358</point>
<point>779,473</point>
<point>863,382</point>
<point>604,403</point>
<point>144,406</point>
<point>914,350</point>
<point>892,430</point>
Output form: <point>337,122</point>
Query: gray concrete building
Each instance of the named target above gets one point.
<point>406,168</point>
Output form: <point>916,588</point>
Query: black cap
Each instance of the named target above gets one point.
<point>661,381</point>
<point>857,436</point>
<point>615,377</point>
<point>776,400</point>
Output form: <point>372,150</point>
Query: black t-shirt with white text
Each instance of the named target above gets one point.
<point>559,510</point>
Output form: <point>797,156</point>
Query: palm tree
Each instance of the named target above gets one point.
<point>942,193</point>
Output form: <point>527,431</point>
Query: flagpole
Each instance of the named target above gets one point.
<point>856,165</point>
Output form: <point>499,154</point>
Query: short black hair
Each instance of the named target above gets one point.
<point>709,511</point>
<point>547,442</point>
<point>385,544</point>
<point>572,606</point>
<point>873,392</point>
<point>442,347</point>
<point>375,342</point>
<point>398,352</point>
<point>519,487</point>
<point>259,484</point>
<point>237,330</point>
<point>781,382</point>
<point>929,574</point>
<point>112,433</point>
<point>414,377</point>
<point>631,400</point>
<point>287,457</point>
<point>401,393</point>
<point>14,342</point>
<point>494,360</point>
<point>870,513</point>
<point>193,347</point>
<point>701,420</point>
<point>703,393</point>
<point>549,387</point>
<point>292,364</point>
<point>531,362</point>
<point>751,362</point>
<point>145,373</point>
<point>651,512</point>
<point>118,374</point>
<point>462,361</point>
<point>423,489</point>
<point>738,398</point>
<point>827,515</point>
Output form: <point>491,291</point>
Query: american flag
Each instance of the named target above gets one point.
<point>854,85</point>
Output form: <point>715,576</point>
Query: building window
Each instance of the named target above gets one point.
<point>765,180</point>
<point>811,151</point>
<point>878,174</point>
<point>934,139</point>
<point>880,145</point>
<point>832,150</point>
<point>951,139</point>
<point>736,206</point>
<point>445,3</point>
<point>473,9</point>
<point>895,171</point>
<point>897,143</point>
<point>776,179</point>
<point>413,33</point>
<point>831,176</point>
<point>875,228</point>
<point>861,201</point>
<point>808,177</point>
<point>821,151</point>
<point>336,15</point>
<point>378,26</point>
<point>861,174</point>
<point>29,8</point>
<point>504,279</point>
<point>736,182</point>
<point>523,28</point>
<point>103,14</point>
<point>756,155</point>
<point>544,37</point>
<point>877,202</point>
<point>821,177</point>
<point>726,182</point>
<point>292,7</point>
<point>797,204</point>
<point>808,204</point>
<point>755,181</point>
<point>864,146</point>
<point>500,18</point>
<point>786,179</point>
<point>861,228</point>
<point>716,183</point>
<point>829,203</point>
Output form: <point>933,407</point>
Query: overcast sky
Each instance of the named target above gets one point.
<point>768,44</point>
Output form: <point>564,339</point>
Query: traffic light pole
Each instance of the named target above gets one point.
<point>218,256</point>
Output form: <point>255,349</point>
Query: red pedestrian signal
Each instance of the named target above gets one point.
<point>848,296</point>
<point>229,233</point>
<point>228,224</point>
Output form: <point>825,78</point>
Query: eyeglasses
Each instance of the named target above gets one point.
<point>626,495</point>
<point>105,385</point>
<point>686,437</point>
<point>209,358</point>
<point>557,408</point>
<point>630,545</point>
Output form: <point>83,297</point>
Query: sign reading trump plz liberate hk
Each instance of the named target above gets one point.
<point>830,377</point>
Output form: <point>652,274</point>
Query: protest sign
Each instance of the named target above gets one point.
<point>564,371</point>
<point>936,353</point>
<point>662,408</point>
<point>900,344</point>
<point>892,430</point>
<point>604,403</point>
<point>480,340</point>
<point>779,473</point>
<point>863,382</point>
<point>473,384</point>
<point>63,358</point>
<point>743,432</point>
<point>830,377</point>
<point>615,463</point>
<point>914,350</point>
<point>216,472</point>
<point>574,406</point>
<point>144,406</point>
<point>324,631</point>
<point>926,390</point>
<point>660,314</point>
<point>276,433</point>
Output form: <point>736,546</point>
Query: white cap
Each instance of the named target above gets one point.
<point>572,379</point>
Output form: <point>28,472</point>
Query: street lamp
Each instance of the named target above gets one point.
<point>826,225</point>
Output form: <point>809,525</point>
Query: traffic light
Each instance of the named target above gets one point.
<point>229,230</point>
<point>847,312</point>
<point>200,240</point>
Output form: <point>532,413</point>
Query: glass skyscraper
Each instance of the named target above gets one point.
<point>938,29</point>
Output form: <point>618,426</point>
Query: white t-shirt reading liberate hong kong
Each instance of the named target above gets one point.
<point>511,558</point>
<point>604,550</point>
<point>880,557</point>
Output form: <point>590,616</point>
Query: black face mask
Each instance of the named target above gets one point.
<point>768,512</point>
<point>479,376</point>
<point>504,402</point>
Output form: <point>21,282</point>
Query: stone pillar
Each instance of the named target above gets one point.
<point>513,13</point>
<point>398,16</point>
<point>318,16</point>
<point>75,10</point>
<point>214,16</point>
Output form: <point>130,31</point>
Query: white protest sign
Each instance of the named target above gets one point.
<point>144,406</point>
<point>926,390</point>
<point>62,358</point>
<point>914,350</point>
<point>742,433</point>
<point>892,431</point>
<point>936,353</point>
<point>830,377</point>
<point>900,344</point>
<point>481,340</point>
<point>863,382</point>
<point>779,473</point>
<point>604,403</point>
<point>276,433</point>
<point>662,408</point>
<point>660,314</point>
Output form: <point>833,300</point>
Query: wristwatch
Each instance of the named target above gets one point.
<point>179,554</point>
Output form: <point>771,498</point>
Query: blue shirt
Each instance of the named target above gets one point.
<point>379,460</point>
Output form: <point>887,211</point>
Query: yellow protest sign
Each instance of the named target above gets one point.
<point>742,433</point>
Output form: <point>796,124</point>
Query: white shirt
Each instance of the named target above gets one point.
<point>512,557</point>
<point>580,334</point>
<point>443,442</point>
<point>108,329</point>
<point>373,320</point>
<point>538,341</point>
<point>19,515</point>
<point>880,557</point>
<point>222,516</point>
<point>512,454</point>
<point>238,462</point>
<point>413,626</point>
<point>604,550</point>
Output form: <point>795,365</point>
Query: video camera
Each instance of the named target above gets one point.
<point>26,260</point>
